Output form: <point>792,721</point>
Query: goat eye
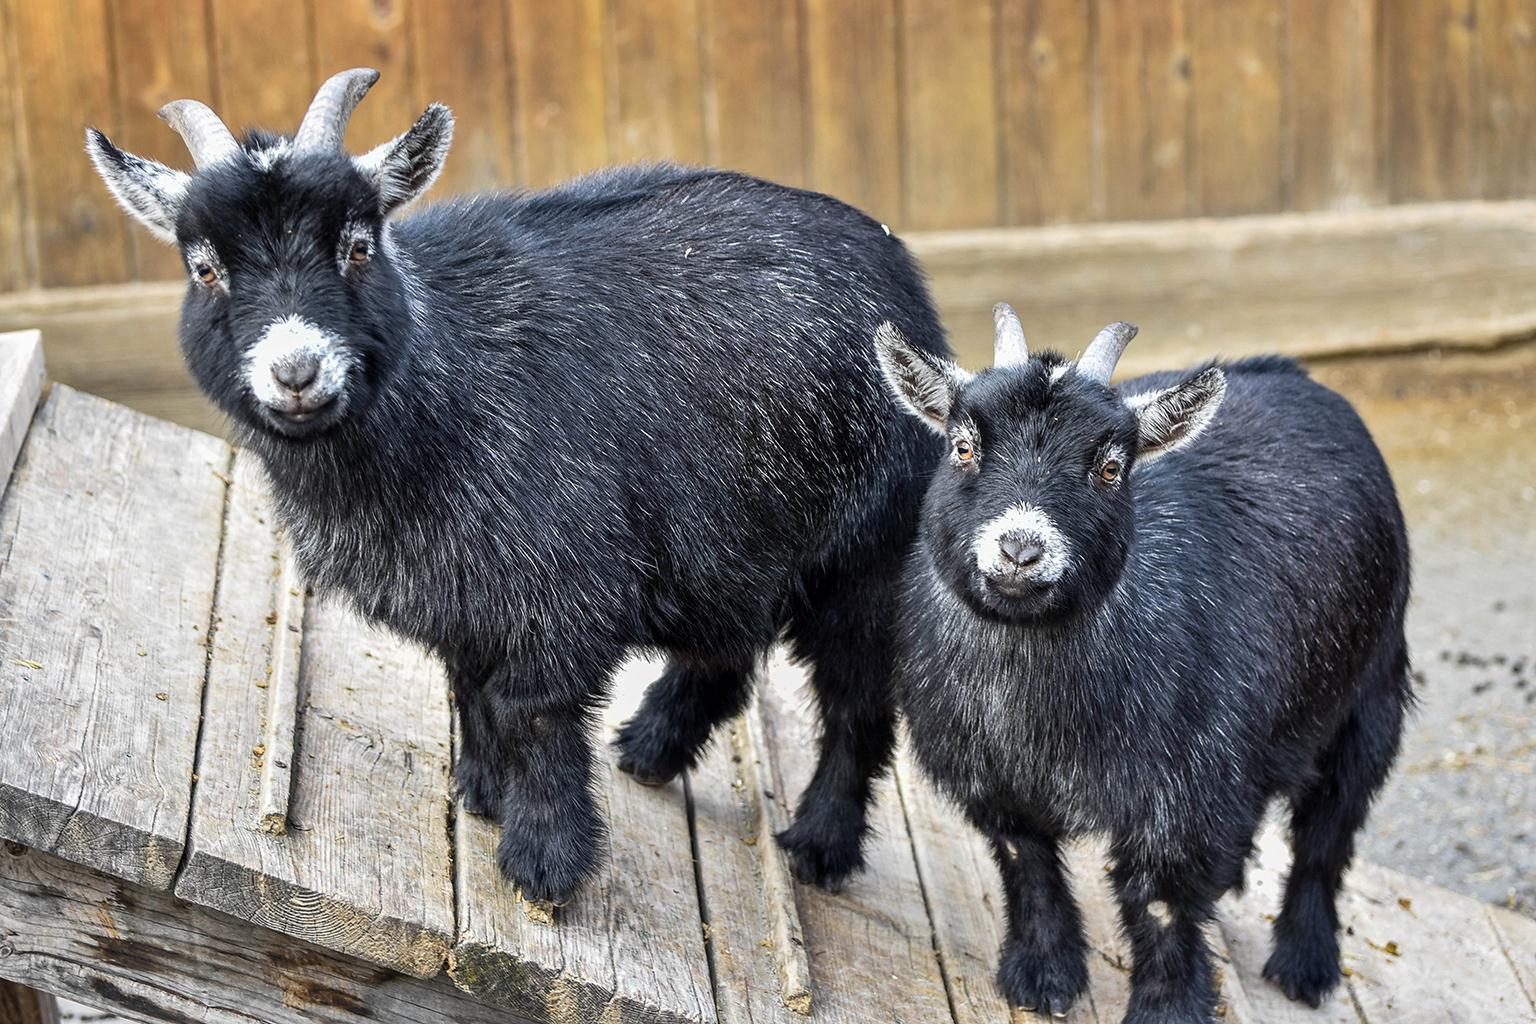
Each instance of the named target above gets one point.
<point>964,451</point>
<point>360,251</point>
<point>206,274</point>
<point>1110,471</point>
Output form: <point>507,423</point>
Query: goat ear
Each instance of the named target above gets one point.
<point>150,192</point>
<point>924,383</point>
<point>407,165</point>
<point>1172,418</point>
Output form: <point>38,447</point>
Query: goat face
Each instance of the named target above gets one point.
<point>296,302</point>
<point>1031,517</point>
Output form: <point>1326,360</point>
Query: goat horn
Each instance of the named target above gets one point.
<point>325,123</point>
<point>207,138</point>
<point>1098,363</point>
<point>1009,348</point>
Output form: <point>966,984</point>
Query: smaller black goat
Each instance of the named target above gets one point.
<point>1094,641</point>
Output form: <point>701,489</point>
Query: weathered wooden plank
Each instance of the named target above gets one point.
<point>1046,111</point>
<point>1517,937</point>
<point>949,104</point>
<point>112,537</point>
<point>1506,50</point>
<point>148,956</point>
<point>80,233</point>
<point>656,108</point>
<point>464,59</point>
<point>1431,99</point>
<point>264,62</point>
<point>870,947</point>
<point>1418,953</point>
<point>22,1005</point>
<point>21,384</point>
<point>1333,98</point>
<point>18,269</point>
<point>364,868</point>
<point>629,947</point>
<point>281,712</point>
<point>754,88</point>
<point>852,103</point>
<point>369,34</point>
<point>560,88</point>
<point>1304,285</point>
<point>1237,129</point>
<point>160,54</point>
<point>1144,69</point>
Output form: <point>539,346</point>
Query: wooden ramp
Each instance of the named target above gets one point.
<point>225,801</point>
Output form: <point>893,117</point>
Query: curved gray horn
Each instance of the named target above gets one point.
<point>326,120</point>
<point>1009,348</point>
<point>207,139</point>
<point>1098,363</point>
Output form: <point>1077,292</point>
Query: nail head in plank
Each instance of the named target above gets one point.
<point>21,384</point>
<point>870,947</point>
<point>111,526</point>
<point>152,957</point>
<point>282,699</point>
<point>629,947</point>
<point>364,868</point>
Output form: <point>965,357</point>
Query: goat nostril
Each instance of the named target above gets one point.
<point>1022,551</point>
<point>297,374</point>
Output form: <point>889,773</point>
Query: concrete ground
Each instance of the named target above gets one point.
<point>1459,432</point>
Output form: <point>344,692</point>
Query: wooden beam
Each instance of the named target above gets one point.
<point>148,956</point>
<point>22,1005</point>
<point>21,384</point>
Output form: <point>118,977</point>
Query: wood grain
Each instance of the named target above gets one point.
<point>1237,127</point>
<point>1429,48</point>
<point>852,103</point>
<point>150,957</point>
<point>1046,86</point>
<point>264,62</point>
<point>22,1005</point>
<point>364,868</point>
<point>1333,102</point>
<point>754,88</point>
<point>949,106</point>
<point>21,384</point>
<point>112,535</point>
<point>18,265</point>
<point>81,236</point>
<point>1506,123</point>
<point>281,712</point>
<point>369,34</point>
<point>628,948</point>
<point>655,105</point>
<point>464,59</point>
<point>161,54</point>
<point>560,88</point>
<point>1517,938</point>
<point>1144,108</point>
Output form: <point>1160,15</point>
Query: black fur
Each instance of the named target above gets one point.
<point>637,410</point>
<point>1229,629</point>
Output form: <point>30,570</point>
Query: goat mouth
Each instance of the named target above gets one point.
<point>1018,586</point>
<point>304,419</point>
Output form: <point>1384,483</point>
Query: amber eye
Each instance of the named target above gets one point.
<point>207,274</point>
<point>360,251</point>
<point>964,450</point>
<point>1110,471</point>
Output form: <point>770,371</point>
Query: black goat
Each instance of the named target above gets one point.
<point>533,431</point>
<point>1093,641</point>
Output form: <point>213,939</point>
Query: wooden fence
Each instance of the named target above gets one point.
<point>928,113</point>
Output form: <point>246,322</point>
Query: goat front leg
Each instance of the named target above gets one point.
<point>1043,964</point>
<point>1164,909</point>
<point>552,833</point>
<point>480,765</point>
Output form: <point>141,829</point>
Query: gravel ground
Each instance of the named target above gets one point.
<point>1460,435</point>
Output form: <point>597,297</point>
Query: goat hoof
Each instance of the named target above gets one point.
<point>1305,972</point>
<point>643,775</point>
<point>820,856</point>
<point>644,756</point>
<point>1042,983</point>
<point>477,790</point>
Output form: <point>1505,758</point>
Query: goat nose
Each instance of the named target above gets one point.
<point>298,373</point>
<point>1022,551</point>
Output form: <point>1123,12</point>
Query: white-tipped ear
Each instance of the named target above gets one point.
<point>924,383</point>
<point>1172,418</point>
<point>407,165</point>
<point>150,192</point>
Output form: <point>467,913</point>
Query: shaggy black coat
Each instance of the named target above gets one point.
<point>1228,629</point>
<point>635,411</point>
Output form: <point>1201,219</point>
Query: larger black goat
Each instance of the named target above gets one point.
<point>1094,641</point>
<point>532,431</point>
